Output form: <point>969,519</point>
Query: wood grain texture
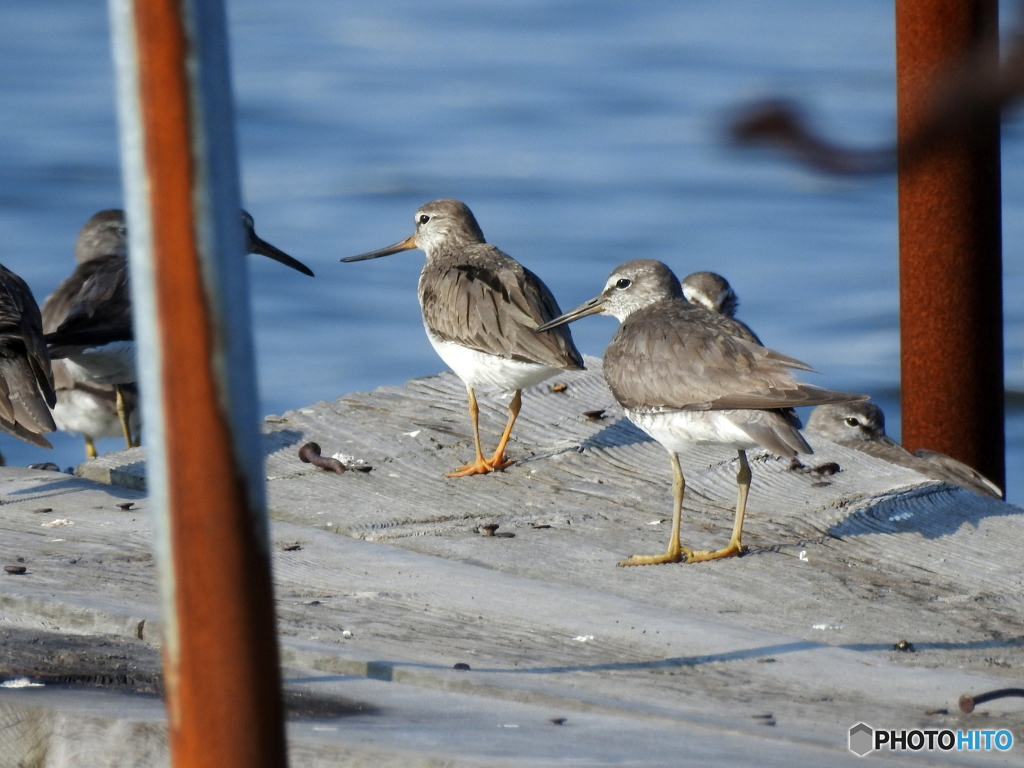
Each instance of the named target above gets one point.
<point>841,567</point>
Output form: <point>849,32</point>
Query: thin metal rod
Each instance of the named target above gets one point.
<point>951,321</point>
<point>191,307</point>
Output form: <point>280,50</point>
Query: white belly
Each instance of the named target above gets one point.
<point>678,430</point>
<point>110,364</point>
<point>490,372</point>
<point>78,411</point>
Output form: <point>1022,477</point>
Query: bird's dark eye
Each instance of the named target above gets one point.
<point>623,282</point>
<point>424,218</point>
<point>851,422</point>
<point>122,231</point>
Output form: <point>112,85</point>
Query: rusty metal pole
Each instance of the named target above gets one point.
<point>951,321</point>
<point>196,366</point>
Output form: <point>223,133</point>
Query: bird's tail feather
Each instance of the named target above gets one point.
<point>776,431</point>
<point>21,402</point>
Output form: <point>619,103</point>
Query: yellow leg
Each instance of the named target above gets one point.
<point>481,466</point>
<point>735,546</point>
<point>122,414</point>
<point>676,552</point>
<point>90,448</point>
<point>498,459</point>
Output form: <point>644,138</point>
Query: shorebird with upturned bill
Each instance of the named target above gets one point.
<point>862,426</point>
<point>480,310</point>
<point>26,379</point>
<point>88,323</point>
<point>687,375</point>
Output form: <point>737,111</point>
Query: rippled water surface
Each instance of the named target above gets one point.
<point>582,135</point>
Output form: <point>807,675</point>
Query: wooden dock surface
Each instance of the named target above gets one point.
<point>385,582</point>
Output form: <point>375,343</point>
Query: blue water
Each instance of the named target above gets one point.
<point>581,134</point>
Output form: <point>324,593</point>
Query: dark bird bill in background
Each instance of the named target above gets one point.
<point>480,310</point>
<point>255,244</point>
<point>688,375</point>
<point>89,327</point>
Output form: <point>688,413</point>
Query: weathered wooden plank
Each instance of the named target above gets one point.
<point>840,568</point>
<point>876,536</point>
<point>567,650</point>
<point>406,727</point>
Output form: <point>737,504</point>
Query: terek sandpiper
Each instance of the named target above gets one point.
<point>26,380</point>
<point>480,310</point>
<point>685,374</point>
<point>862,426</point>
<point>85,406</point>
<point>711,291</point>
<point>89,329</point>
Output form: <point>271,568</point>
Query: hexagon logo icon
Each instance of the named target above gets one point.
<point>862,738</point>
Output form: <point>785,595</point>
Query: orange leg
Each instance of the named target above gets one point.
<point>481,466</point>
<point>498,459</point>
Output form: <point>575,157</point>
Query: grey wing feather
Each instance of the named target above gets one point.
<point>778,431</point>
<point>884,448</point>
<point>59,304</point>
<point>21,403</point>
<point>674,355</point>
<point>26,379</point>
<point>20,432</point>
<point>937,466</point>
<point>493,304</point>
<point>946,468</point>
<point>92,306</point>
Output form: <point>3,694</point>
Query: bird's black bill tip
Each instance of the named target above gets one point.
<point>263,248</point>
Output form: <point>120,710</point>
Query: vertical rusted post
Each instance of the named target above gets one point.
<point>191,310</point>
<point>951,321</point>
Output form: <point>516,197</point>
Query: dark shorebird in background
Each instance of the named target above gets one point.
<point>711,291</point>
<point>862,426</point>
<point>26,381</point>
<point>89,329</point>
<point>480,309</point>
<point>84,405</point>
<point>685,374</point>
<point>859,425</point>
